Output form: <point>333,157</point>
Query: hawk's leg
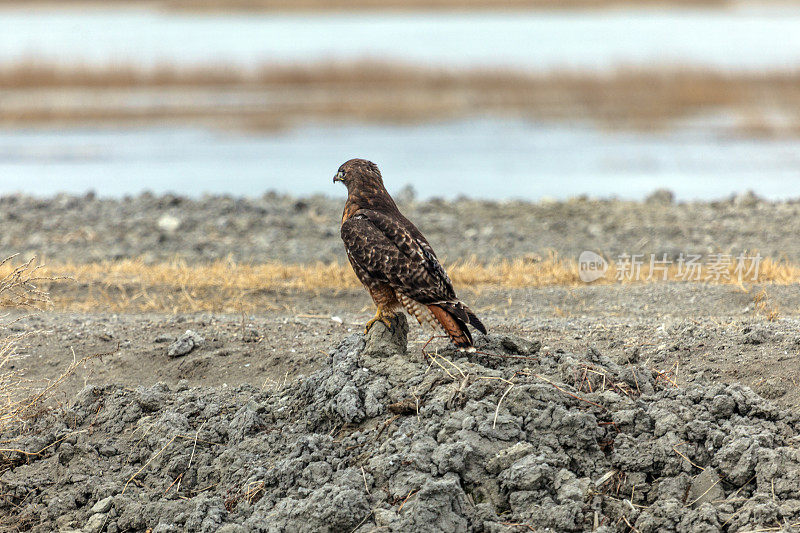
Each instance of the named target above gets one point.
<point>382,315</point>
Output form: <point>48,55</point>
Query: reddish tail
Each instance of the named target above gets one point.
<point>454,317</point>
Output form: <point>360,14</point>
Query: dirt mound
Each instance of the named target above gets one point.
<point>380,438</point>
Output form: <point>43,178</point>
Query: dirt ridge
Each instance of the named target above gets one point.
<point>382,438</point>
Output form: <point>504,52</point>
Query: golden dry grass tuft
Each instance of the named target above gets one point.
<point>18,290</point>
<point>225,286</point>
<point>19,284</point>
<point>277,96</point>
<point>765,307</point>
<point>21,399</point>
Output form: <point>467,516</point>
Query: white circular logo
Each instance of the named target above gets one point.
<point>591,266</point>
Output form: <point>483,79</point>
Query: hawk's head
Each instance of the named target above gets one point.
<point>359,174</point>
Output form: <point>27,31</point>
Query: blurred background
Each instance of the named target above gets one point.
<point>494,99</point>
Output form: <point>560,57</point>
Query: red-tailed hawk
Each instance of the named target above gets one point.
<point>394,261</point>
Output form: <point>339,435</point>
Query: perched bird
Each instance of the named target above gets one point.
<point>394,261</point>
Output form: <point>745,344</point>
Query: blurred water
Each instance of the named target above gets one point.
<point>478,158</point>
<point>729,39</point>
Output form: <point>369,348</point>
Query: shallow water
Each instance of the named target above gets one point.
<point>478,158</point>
<point>753,39</point>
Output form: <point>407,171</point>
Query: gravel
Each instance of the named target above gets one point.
<point>298,230</point>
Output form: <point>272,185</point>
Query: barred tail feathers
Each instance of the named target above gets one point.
<point>454,317</point>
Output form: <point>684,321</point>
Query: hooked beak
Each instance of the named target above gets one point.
<point>339,177</point>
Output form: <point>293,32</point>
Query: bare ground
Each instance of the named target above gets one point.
<point>710,332</point>
<point>632,395</point>
<point>282,333</point>
<point>518,437</point>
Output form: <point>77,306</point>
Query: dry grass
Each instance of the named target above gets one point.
<point>19,290</point>
<point>224,286</point>
<point>765,307</point>
<point>20,399</point>
<point>377,5</point>
<point>19,284</point>
<point>275,96</point>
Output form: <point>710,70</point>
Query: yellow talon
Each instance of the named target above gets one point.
<point>382,316</point>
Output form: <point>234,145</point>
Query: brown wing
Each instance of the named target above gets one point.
<point>382,248</point>
<point>390,250</point>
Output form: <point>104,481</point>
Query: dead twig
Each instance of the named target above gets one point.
<point>410,493</point>
<point>497,410</point>
<point>147,463</point>
<point>539,376</point>
<point>675,449</point>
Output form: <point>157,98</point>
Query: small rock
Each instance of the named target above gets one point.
<point>661,197</point>
<point>232,528</point>
<point>251,335</point>
<point>722,406</point>
<point>163,338</point>
<point>756,336</point>
<point>103,505</point>
<point>150,399</point>
<point>746,199</point>
<point>385,517</point>
<point>107,451</point>
<point>772,389</point>
<point>185,344</point>
<point>169,223</point>
<point>510,344</point>
<point>388,341</point>
<point>95,523</point>
<point>706,488</point>
<point>508,456</point>
<point>520,346</point>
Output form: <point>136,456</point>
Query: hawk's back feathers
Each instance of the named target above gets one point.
<point>387,250</point>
